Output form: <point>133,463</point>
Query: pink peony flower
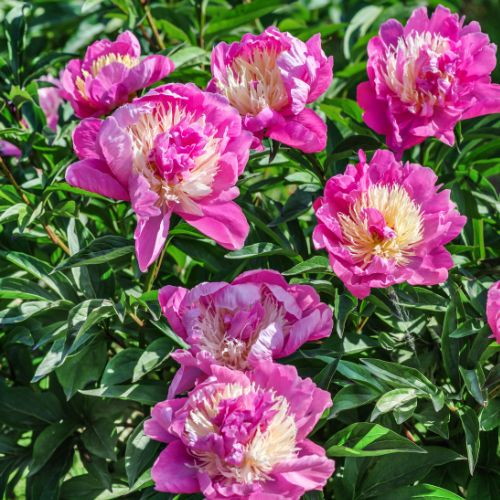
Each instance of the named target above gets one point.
<point>8,149</point>
<point>110,75</point>
<point>427,76</point>
<point>50,100</point>
<point>383,223</point>
<point>242,435</point>
<point>269,78</point>
<point>493,310</point>
<point>258,316</point>
<point>177,149</point>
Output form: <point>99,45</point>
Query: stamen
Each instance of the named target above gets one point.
<point>267,447</point>
<point>404,80</point>
<point>401,214</point>
<point>255,83</point>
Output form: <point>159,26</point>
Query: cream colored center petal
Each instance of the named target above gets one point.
<point>100,63</point>
<point>255,83</point>
<point>401,214</point>
<point>267,448</point>
<point>192,186</point>
<point>229,350</point>
<point>403,81</point>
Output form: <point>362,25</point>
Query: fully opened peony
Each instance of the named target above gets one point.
<point>242,435</point>
<point>110,74</point>
<point>175,150</point>
<point>385,222</point>
<point>493,310</point>
<point>426,76</point>
<point>258,316</point>
<point>269,78</point>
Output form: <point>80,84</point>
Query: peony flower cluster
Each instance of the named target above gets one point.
<point>270,78</point>
<point>427,76</point>
<point>385,222</point>
<point>258,316</point>
<point>242,435</point>
<point>235,423</point>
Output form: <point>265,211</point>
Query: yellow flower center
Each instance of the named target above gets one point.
<point>401,214</point>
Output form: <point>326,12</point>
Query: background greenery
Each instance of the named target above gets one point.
<point>84,351</point>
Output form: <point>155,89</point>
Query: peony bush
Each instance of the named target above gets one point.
<point>227,272</point>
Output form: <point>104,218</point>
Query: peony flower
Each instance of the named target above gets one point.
<point>258,316</point>
<point>175,150</point>
<point>427,76</point>
<point>50,100</point>
<point>110,74</point>
<point>242,435</point>
<point>269,78</point>
<point>493,310</point>
<point>383,223</point>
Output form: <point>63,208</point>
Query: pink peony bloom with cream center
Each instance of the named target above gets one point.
<point>270,78</point>
<point>242,435</point>
<point>175,150</point>
<point>110,74</point>
<point>385,222</point>
<point>493,310</point>
<point>427,76</point>
<point>258,316</point>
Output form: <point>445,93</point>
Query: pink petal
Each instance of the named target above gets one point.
<point>305,131</point>
<point>174,470</point>
<point>150,236</point>
<point>225,223</point>
<point>95,176</point>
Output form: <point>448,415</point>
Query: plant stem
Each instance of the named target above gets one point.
<point>50,232</point>
<point>152,25</point>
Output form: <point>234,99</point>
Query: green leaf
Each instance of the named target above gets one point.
<point>102,250</point>
<point>17,288</point>
<point>148,394</point>
<point>82,368</point>
<point>316,264</point>
<point>474,381</point>
<point>228,19</point>
<point>140,453</point>
<point>48,441</point>
<point>387,473</point>
<point>490,416</point>
<point>401,376</point>
<point>100,438</point>
<point>154,355</point>
<point>83,317</point>
<point>58,282</point>
<point>345,304</point>
<point>368,440</point>
<point>259,250</point>
<point>470,423</point>
<point>353,396</point>
<point>419,491</point>
<point>120,367</point>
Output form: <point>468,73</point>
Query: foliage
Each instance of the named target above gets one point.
<point>85,350</point>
